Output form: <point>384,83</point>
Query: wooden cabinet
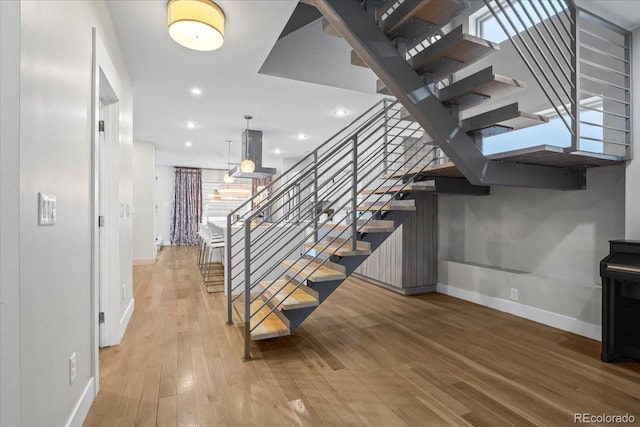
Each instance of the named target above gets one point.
<point>407,261</point>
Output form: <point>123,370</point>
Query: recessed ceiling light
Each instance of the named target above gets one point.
<point>340,112</point>
<point>302,136</point>
<point>191,125</point>
<point>196,91</point>
<point>277,151</point>
<point>188,143</point>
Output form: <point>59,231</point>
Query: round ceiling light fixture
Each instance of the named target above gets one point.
<point>196,24</point>
<point>340,112</point>
<point>247,166</point>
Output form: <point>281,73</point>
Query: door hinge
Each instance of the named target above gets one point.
<point>101,317</point>
<point>100,221</point>
<point>101,126</point>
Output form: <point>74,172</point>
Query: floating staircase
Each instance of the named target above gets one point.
<point>328,213</point>
<point>425,82</point>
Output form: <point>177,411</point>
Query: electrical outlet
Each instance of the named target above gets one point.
<point>514,294</point>
<point>72,368</point>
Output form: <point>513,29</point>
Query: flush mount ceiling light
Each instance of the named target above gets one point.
<point>302,137</point>
<point>191,125</point>
<point>196,91</point>
<point>340,112</point>
<point>196,24</point>
<point>187,143</point>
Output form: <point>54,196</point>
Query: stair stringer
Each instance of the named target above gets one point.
<point>351,263</point>
<point>371,44</point>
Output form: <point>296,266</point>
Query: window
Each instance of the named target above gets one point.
<point>487,26</point>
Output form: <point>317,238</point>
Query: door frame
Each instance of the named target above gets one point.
<point>106,87</point>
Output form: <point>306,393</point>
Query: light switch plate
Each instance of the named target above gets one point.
<point>46,209</point>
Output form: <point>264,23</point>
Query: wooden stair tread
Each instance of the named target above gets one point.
<point>476,88</point>
<point>340,248</point>
<point>372,226</point>
<point>312,271</point>
<point>448,169</point>
<point>501,120</point>
<point>451,53</point>
<point>437,12</point>
<point>407,188</point>
<point>396,205</point>
<point>301,297</point>
<point>273,326</point>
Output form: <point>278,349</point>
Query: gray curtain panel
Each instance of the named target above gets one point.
<point>187,207</point>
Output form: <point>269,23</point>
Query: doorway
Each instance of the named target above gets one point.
<point>107,212</point>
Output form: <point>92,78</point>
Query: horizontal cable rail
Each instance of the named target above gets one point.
<point>604,54</point>
<point>547,47</point>
<point>577,59</point>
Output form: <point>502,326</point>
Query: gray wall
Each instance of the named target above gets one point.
<point>55,157</point>
<point>547,243</point>
<point>9,213</point>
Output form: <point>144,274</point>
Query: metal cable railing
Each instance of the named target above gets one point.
<point>533,46</point>
<point>581,63</point>
<point>334,175</point>
<point>604,90</point>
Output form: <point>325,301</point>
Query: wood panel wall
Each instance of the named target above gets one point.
<point>408,259</point>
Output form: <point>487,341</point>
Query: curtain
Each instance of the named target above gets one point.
<point>187,207</point>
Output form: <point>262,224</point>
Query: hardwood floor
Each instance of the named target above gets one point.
<point>365,357</point>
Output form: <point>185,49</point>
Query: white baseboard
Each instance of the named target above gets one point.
<point>126,317</point>
<point>80,411</point>
<point>545,317</point>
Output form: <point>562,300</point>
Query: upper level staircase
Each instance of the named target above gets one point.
<point>418,66</point>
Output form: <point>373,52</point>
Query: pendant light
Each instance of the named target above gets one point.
<point>247,165</point>
<point>196,24</point>
<point>228,178</point>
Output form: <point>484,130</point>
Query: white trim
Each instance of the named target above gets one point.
<point>545,317</point>
<point>81,410</point>
<point>126,317</point>
<point>102,64</point>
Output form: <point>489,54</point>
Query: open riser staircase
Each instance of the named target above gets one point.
<point>321,219</point>
<point>292,244</point>
<point>579,65</point>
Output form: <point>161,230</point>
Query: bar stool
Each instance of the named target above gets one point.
<point>212,271</point>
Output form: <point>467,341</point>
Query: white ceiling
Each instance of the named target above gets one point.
<point>164,72</point>
<point>625,13</point>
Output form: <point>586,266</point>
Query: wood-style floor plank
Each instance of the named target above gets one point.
<point>366,357</point>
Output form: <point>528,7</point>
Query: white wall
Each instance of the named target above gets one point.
<point>9,213</point>
<point>164,195</point>
<point>545,243</point>
<point>55,157</point>
<point>144,201</point>
<point>632,205</point>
